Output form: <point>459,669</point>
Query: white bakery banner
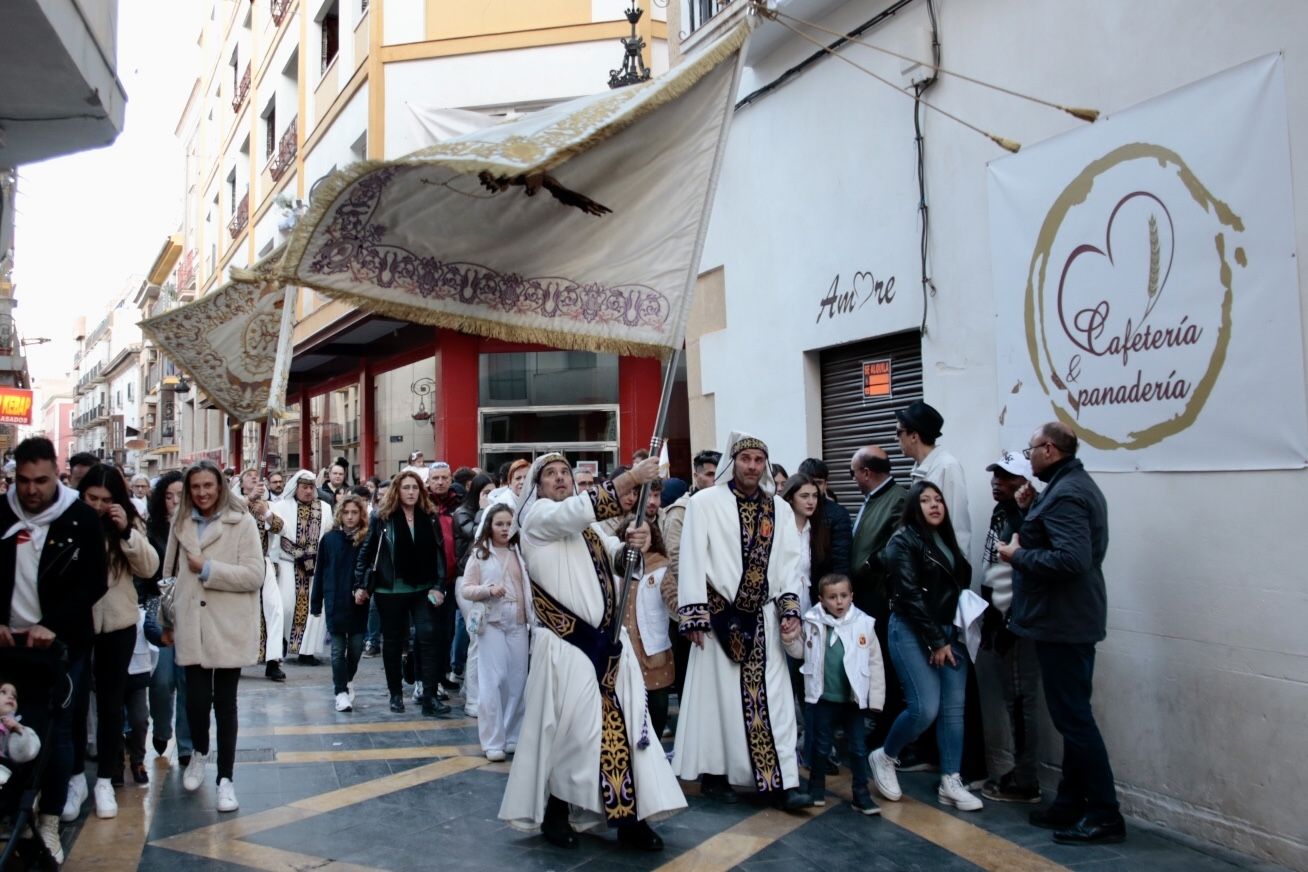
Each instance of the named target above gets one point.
<point>1146,286</point>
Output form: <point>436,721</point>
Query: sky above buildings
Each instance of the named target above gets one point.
<point>89,225</point>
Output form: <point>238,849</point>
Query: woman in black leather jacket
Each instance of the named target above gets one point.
<point>402,564</point>
<point>926,573</point>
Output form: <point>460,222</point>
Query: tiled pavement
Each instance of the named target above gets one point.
<point>372,790</point>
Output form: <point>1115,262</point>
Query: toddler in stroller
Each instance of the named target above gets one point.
<point>17,743</point>
<point>37,685</point>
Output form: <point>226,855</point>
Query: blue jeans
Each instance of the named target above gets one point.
<point>373,636</point>
<point>346,651</point>
<point>934,694</point>
<point>59,764</point>
<point>459,651</point>
<point>170,679</point>
<point>1087,783</point>
<point>825,716</point>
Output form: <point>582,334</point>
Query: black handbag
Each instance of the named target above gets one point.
<point>370,583</point>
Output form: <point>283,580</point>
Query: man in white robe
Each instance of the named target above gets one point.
<point>305,520</point>
<point>586,756</point>
<point>737,594</point>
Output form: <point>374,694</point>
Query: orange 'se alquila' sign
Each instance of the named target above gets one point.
<point>15,406</point>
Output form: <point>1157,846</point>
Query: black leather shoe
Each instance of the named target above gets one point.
<point>434,708</point>
<point>717,788</point>
<point>308,660</point>
<point>639,836</point>
<point>555,828</point>
<point>793,799</point>
<point>397,702</point>
<point>160,746</point>
<point>273,671</point>
<point>1088,832</point>
<point>1053,818</point>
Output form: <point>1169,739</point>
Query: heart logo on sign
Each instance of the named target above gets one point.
<point>1130,333</point>
<point>1147,263</point>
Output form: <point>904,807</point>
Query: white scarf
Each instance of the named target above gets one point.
<point>39,523</point>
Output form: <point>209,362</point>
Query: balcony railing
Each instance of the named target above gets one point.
<point>92,415</point>
<point>285,155</point>
<point>186,272</point>
<point>240,217</point>
<point>279,8</point>
<point>242,90</point>
<point>88,377</point>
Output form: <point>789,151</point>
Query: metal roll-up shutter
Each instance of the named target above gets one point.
<point>858,404</point>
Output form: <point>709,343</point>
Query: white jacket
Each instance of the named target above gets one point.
<point>863,666</point>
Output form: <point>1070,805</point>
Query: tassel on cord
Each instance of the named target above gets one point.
<point>1002,142</point>
<point>1089,115</point>
<point>643,742</point>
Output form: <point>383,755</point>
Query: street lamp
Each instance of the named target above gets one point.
<point>633,70</point>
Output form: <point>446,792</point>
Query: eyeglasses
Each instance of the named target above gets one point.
<point>1026,452</point>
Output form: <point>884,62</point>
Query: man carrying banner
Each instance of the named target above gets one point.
<point>738,594</point>
<point>586,756</point>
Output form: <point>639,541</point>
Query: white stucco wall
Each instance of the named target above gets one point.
<point>1202,684</point>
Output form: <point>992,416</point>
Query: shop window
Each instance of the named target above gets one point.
<point>548,378</point>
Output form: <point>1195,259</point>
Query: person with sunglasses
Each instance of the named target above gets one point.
<point>1061,602</point>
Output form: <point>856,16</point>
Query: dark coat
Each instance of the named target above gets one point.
<point>923,589</point>
<point>880,519</point>
<point>72,575</point>
<point>840,528</point>
<point>379,531</point>
<point>333,584</point>
<point>465,527</point>
<point>1058,577</point>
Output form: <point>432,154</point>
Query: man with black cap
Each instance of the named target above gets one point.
<point>919,428</point>
<point>1006,667</point>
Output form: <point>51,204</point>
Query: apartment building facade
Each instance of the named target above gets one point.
<point>292,89</point>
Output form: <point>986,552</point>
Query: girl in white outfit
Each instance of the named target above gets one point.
<point>496,576</point>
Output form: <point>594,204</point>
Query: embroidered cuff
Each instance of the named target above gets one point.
<point>788,606</point>
<point>693,618</point>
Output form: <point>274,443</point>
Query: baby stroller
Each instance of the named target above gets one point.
<point>40,675</point>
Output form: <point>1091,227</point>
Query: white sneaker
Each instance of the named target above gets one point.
<point>193,777</point>
<point>227,795</point>
<point>76,796</point>
<point>495,755</point>
<point>510,748</point>
<point>47,825</point>
<point>343,703</point>
<point>106,806</point>
<point>884,775</point>
<point>952,792</point>
<point>349,688</point>
<point>417,691</point>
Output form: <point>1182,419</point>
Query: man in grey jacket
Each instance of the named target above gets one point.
<point>1059,600</point>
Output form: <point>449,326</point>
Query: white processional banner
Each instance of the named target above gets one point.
<point>1146,286</point>
<point>578,226</point>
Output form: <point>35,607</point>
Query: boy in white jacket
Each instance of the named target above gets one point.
<point>843,678</point>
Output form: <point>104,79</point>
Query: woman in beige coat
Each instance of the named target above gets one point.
<point>129,554</point>
<point>214,551</point>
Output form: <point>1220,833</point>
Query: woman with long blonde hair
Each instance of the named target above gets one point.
<point>333,591</point>
<point>402,564</point>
